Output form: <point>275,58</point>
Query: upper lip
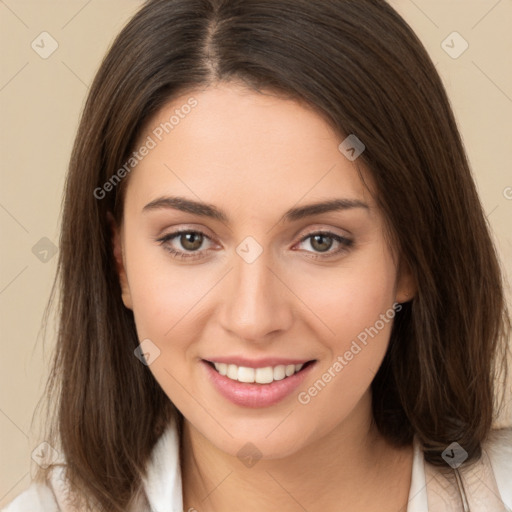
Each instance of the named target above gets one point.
<point>256,363</point>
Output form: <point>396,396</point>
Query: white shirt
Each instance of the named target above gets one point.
<point>164,491</point>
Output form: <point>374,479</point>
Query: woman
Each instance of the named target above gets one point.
<point>278,289</point>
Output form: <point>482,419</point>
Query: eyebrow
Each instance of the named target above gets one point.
<point>208,210</point>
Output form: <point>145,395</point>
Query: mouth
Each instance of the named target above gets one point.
<point>259,384</point>
<point>261,375</point>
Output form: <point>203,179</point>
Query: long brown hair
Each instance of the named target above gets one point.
<point>360,65</point>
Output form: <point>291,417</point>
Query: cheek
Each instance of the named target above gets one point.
<point>168,302</point>
<point>355,305</point>
<point>350,297</point>
<point>165,295</point>
<point>353,355</point>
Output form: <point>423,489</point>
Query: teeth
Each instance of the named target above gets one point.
<point>259,375</point>
<point>245,374</point>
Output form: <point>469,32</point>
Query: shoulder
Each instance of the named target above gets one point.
<point>487,479</point>
<point>498,447</point>
<point>36,498</point>
<point>161,484</point>
<point>51,496</point>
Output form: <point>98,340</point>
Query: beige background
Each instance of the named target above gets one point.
<point>40,101</point>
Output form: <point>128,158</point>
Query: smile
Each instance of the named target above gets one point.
<point>264,375</point>
<point>263,386</point>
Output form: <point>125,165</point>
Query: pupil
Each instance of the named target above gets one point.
<point>322,247</point>
<point>191,241</point>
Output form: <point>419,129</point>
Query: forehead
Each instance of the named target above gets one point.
<point>231,145</point>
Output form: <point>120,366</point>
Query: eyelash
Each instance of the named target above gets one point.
<point>345,244</point>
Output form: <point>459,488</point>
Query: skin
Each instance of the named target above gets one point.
<point>255,156</point>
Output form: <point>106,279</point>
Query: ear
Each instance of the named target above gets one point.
<point>406,287</point>
<point>118,251</point>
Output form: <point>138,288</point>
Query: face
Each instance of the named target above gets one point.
<point>223,260</point>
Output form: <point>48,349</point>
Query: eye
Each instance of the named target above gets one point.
<point>184,244</point>
<point>323,241</point>
<point>187,244</point>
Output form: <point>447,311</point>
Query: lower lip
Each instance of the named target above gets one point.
<point>255,395</point>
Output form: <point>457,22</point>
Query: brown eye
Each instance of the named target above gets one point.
<point>321,243</point>
<point>191,241</point>
<point>185,244</point>
<point>326,244</point>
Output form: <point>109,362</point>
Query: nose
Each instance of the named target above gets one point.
<point>257,305</point>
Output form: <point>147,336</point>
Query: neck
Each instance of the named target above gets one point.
<point>370,474</point>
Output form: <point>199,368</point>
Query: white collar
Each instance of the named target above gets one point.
<point>163,480</point>
<point>418,490</point>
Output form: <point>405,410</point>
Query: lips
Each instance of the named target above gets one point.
<point>253,394</point>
